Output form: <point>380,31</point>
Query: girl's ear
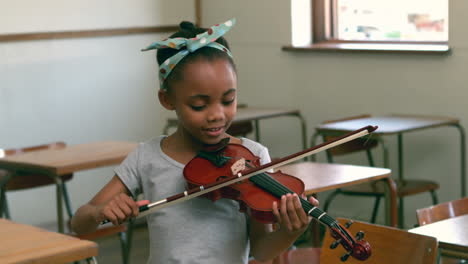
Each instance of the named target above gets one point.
<point>166,99</point>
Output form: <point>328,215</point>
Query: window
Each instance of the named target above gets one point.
<point>415,25</point>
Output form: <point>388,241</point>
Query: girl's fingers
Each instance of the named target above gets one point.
<point>109,215</point>
<point>313,201</point>
<point>119,214</point>
<point>142,202</point>
<point>300,211</point>
<point>132,206</point>
<point>292,211</point>
<point>276,212</point>
<point>284,213</point>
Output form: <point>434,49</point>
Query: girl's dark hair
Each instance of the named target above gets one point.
<point>189,30</point>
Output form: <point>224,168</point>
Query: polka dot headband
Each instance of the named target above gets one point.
<point>206,39</point>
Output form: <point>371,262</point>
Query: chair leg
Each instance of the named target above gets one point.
<point>329,199</point>
<point>91,260</point>
<point>375,211</point>
<point>401,211</point>
<point>66,199</point>
<point>128,241</point>
<point>435,200</point>
<point>124,246</point>
<point>4,210</point>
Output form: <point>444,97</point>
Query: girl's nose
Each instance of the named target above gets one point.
<point>215,113</point>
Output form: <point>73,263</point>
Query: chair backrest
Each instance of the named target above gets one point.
<point>388,245</point>
<point>26,180</point>
<point>240,128</point>
<point>442,211</point>
<point>357,145</point>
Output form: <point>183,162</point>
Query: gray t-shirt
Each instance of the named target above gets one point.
<point>194,231</point>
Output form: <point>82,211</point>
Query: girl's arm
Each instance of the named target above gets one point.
<point>112,202</point>
<point>266,244</point>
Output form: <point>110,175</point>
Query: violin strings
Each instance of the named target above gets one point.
<point>278,189</point>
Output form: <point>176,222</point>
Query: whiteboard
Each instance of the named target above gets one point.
<point>29,16</point>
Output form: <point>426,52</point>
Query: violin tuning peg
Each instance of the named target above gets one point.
<point>348,224</point>
<point>335,244</point>
<point>359,235</point>
<point>345,256</point>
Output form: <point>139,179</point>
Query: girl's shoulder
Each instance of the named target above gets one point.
<point>254,146</point>
<point>151,144</point>
<point>149,147</point>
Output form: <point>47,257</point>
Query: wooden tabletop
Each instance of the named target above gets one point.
<point>389,124</point>
<point>27,244</point>
<point>71,158</point>
<point>452,233</point>
<point>320,177</point>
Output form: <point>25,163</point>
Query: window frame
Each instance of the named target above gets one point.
<point>324,23</point>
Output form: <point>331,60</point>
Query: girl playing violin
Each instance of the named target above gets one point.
<point>198,81</point>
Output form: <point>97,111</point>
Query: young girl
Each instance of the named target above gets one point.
<point>198,81</point>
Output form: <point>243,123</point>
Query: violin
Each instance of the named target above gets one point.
<point>232,171</point>
<point>257,194</point>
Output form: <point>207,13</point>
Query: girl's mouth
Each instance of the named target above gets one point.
<point>214,132</point>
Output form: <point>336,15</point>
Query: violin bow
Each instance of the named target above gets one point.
<point>203,189</point>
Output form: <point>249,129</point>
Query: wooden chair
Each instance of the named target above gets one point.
<point>441,212</point>
<point>388,244</point>
<point>405,187</point>
<point>240,128</point>
<point>21,181</point>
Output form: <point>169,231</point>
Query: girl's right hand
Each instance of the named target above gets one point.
<point>117,210</point>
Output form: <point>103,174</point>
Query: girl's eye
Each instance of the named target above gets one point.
<point>228,102</point>
<point>197,108</point>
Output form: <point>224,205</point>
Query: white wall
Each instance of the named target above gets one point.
<point>78,91</point>
<point>330,85</point>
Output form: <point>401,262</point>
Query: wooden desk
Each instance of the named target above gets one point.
<point>397,125</point>
<point>452,234</point>
<point>73,158</point>
<point>256,114</point>
<point>27,244</point>
<point>319,177</point>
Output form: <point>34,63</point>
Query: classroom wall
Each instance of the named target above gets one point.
<point>79,90</point>
<point>330,85</point>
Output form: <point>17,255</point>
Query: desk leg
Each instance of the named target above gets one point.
<point>314,143</point>
<point>463,159</point>
<point>257,130</point>
<point>59,194</point>
<point>391,214</point>
<point>303,130</point>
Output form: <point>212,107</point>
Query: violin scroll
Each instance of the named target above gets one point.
<point>354,246</point>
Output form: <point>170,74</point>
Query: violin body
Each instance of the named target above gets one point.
<point>257,193</point>
<point>254,201</point>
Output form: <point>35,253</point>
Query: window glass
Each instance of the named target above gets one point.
<point>396,20</point>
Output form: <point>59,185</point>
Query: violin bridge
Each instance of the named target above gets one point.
<point>238,166</point>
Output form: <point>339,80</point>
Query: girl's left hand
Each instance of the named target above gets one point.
<point>290,215</point>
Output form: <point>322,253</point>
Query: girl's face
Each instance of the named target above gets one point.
<point>205,100</point>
